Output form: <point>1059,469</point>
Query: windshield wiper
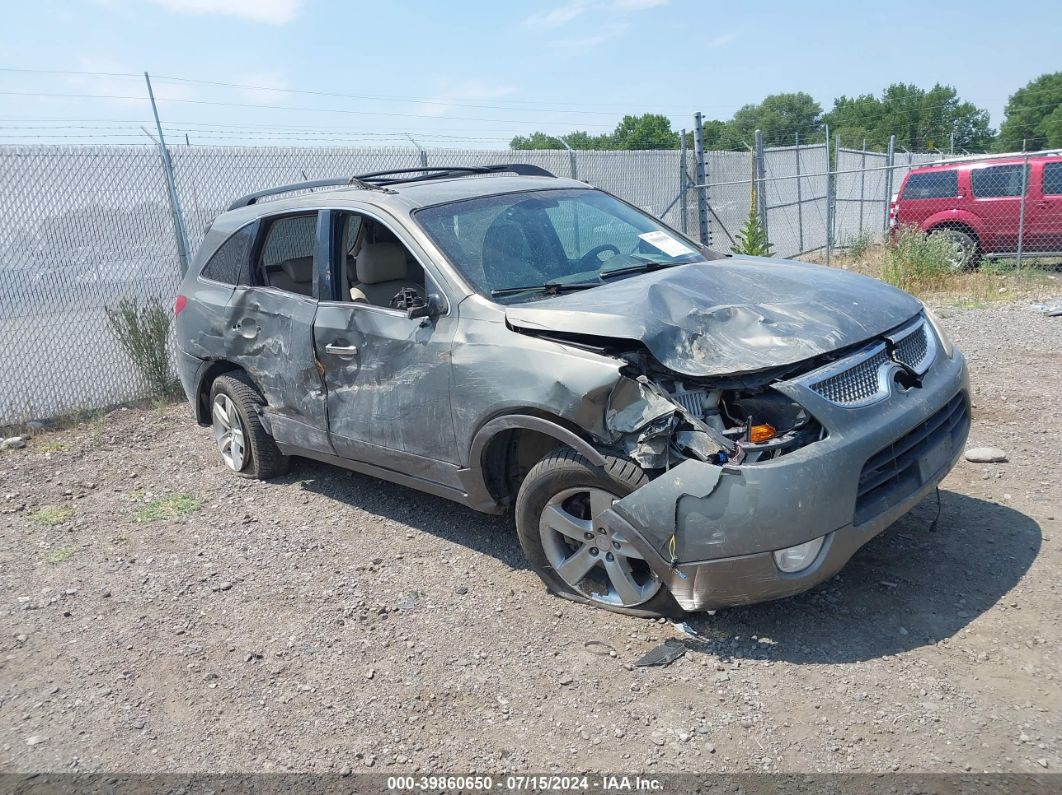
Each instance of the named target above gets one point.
<point>552,288</point>
<point>642,267</point>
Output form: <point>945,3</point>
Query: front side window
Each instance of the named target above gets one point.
<point>932,185</point>
<point>285,260</point>
<point>995,181</point>
<point>230,261</point>
<point>1053,179</point>
<point>521,246</point>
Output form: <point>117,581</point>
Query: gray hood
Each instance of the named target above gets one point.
<point>728,316</point>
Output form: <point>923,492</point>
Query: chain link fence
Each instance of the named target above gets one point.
<point>83,227</point>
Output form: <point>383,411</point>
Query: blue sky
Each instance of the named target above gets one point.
<point>476,73</point>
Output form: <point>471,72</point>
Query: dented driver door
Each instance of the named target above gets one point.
<point>388,382</point>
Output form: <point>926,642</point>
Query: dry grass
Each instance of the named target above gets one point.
<point>992,281</point>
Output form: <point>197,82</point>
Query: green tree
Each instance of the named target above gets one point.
<point>648,131</point>
<point>1033,116</point>
<point>780,117</point>
<point>920,119</point>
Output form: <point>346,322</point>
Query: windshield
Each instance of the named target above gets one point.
<point>522,246</point>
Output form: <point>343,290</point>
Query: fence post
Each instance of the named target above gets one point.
<point>683,205</point>
<point>572,170</point>
<point>829,197</point>
<point>179,230</point>
<point>862,188</point>
<point>890,164</point>
<point>420,149</point>
<point>702,182</point>
<point>800,198</point>
<point>761,185</point>
<point>1021,210</point>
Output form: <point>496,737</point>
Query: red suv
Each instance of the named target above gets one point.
<point>978,205</point>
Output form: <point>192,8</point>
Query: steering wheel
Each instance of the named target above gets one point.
<point>592,258</point>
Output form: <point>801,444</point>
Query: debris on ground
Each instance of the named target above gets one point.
<point>664,654</point>
<point>1051,310</point>
<point>986,455</point>
<point>13,443</point>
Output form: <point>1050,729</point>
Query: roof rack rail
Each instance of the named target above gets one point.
<point>949,159</point>
<point>380,179</point>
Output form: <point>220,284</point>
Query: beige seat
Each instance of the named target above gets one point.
<point>294,275</point>
<point>382,272</point>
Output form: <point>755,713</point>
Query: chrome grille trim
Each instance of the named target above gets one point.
<point>863,379</point>
<point>915,345</point>
<point>866,377</point>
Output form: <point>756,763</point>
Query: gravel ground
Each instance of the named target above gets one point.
<point>328,622</point>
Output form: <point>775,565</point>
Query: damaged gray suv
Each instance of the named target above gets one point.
<point>674,429</point>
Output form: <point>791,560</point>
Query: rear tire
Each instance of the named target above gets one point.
<point>964,248</point>
<point>245,446</point>
<point>554,511</point>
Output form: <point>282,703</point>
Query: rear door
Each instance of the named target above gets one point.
<point>997,192</point>
<point>270,328</point>
<point>387,375</point>
<point>1043,227</point>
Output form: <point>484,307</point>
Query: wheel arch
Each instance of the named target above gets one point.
<point>206,380</point>
<point>960,223</point>
<point>507,446</point>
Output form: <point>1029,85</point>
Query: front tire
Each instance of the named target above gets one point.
<point>555,508</point>
<point>245,446</point>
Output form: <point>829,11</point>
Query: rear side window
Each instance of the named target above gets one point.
<point>229,263</point>
<point>286,258</point>
<point>1053,179</point>
<point>996,181</point>
<point>932,185</point>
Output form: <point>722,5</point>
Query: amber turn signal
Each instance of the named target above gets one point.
<point>761,433</point>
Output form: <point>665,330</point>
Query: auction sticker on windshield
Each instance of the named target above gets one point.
<point>666,243</point>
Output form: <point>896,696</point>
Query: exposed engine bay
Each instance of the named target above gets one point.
<point>663,420</point>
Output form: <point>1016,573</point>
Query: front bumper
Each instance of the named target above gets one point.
<point>709,532</point>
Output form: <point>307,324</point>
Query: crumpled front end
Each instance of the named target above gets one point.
<point>820,462</point>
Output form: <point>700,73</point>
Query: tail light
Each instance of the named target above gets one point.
<point>179,305</point>
<point>892,211</point>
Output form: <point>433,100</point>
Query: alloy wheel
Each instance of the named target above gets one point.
<point>228,432</point>
<point>599,564</point>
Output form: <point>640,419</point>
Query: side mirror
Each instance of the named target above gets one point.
<point>432,307</point>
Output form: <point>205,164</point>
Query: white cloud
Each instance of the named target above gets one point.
<point>272,12</point>
<point>469,91</point>
<point>558,16</point>
<point>722,39</point>
<point>604,12</point>
<point>637,5</point>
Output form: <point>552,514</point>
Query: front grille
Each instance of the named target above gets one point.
<point>859,384</point>
<point>914,350</point>
<point>911,461</point>
<point>867,380</point>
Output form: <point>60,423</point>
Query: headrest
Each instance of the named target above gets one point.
<point>381,262</point>
<point>299,269</point>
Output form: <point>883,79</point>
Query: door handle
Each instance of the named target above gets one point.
<point>347,351</point>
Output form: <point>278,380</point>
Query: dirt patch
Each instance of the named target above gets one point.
<point>171,617</point>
